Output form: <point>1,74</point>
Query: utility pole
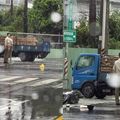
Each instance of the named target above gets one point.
<point>101,20</point>
<point>105,26</point>
<point>92,21</point>
<point>11,7</point>
<point>25,17</point>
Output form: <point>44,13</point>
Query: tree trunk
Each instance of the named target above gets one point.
<point>11,7</point>
<point>25,17</point>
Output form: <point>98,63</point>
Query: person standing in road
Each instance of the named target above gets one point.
<point>8,48</point>
<point>116,69</point>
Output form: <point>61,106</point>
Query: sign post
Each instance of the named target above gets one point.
<point>69,35</point>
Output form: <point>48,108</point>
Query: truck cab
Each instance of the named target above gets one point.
<point>88,78</point>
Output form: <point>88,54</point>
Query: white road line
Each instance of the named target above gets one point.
<point>13,103</point>
<point>9,78</point>
<point>44,82</point>
<point>59,85</point>
<point>25,80</point>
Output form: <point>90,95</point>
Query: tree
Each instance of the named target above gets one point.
<point>114,25</point>
<point>11,23</point>
<point>39,16</point>
<point>83,35</point>
<point>11,7</point>
<point>114,30</point>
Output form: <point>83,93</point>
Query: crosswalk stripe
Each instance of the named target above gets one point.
<point>45,82</point>
<point>59,85</point>
<point>25,80</point>
<point>20,79</point>
<point>10,78</point>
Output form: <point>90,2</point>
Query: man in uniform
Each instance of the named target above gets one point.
<point>116,69</point>
<point>8,48</point>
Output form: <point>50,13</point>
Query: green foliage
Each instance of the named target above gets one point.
<point>11,23</point>
<point>114,25</point>
<point>114,30</point>
<point>114,44</point>
<point>82,35</point>
<point>83,39</point>
<point>39,16</point>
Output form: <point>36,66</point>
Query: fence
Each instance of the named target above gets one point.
<point>56,40</point>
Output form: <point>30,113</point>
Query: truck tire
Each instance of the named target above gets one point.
<point>31,58</point>
<point>43,55</point>
<point>23,56</point>
<point>99,94</point>
<point>88,90</point>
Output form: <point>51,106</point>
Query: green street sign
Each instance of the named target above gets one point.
<point>69,36</point>
<point>70,24</point>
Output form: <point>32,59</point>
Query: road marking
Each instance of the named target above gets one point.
<point>59,85</point>
<point>20,79</point>
<point>44,82</point>
<point>25,80</point>
<point>10,78</point>
<point>13,104</point>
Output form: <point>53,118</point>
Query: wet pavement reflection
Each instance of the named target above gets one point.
<point>26,93</point>
<point>31,104</point>
<point>104,111</point>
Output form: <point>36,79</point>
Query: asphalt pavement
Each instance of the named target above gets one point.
<point>103,110</point>
<point>27,93</point>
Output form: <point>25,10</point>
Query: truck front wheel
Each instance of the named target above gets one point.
<point>31,57</point>
<point>88,90</point>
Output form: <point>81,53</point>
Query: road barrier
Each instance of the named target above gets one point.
<point>102,52</point>
<point>65,67</point>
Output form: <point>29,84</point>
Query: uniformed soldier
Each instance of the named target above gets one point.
<point>8,48</point>
<point>116,69</point>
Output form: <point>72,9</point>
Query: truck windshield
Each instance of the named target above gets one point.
<point>85,61</point>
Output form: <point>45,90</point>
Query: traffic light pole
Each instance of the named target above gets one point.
<point>69,27</point>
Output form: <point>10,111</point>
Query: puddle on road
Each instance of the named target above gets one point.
<point>29,104</point>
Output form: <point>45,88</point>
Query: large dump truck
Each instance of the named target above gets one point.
<point>90,75</point>
<point>27,47</point>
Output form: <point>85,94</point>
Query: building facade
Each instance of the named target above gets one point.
<point>5,4</point>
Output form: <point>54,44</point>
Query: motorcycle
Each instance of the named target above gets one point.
<point>71,97</point>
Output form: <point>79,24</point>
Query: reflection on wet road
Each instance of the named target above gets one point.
<point>39,104</point>
<point>102,111</point>
<point>28,94</point>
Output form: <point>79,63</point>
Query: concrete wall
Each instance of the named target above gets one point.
<point>55,53</point>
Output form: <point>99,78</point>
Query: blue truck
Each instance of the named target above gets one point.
<point>89,75</point>
<point>27,51</point>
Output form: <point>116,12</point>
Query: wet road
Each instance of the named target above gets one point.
<point>103,110</point>
<point>27,92</point>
